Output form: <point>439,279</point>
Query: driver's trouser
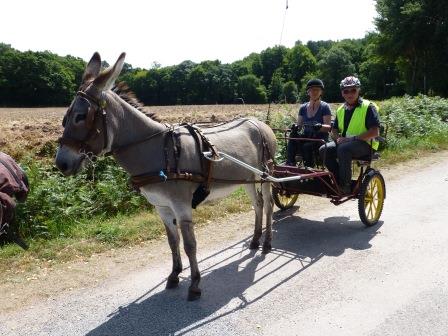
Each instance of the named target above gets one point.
<point>338,158</point>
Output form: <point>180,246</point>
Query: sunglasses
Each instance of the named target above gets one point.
<point>347,91</point>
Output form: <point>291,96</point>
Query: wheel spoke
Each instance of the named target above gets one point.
<point>286,200</point>
<point>374,208</point>
<point>369,212</point>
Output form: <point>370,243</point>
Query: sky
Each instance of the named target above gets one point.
<point>171,31</point>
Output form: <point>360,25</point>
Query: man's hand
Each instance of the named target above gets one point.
<point>317,127</point>
<point>345,139</point>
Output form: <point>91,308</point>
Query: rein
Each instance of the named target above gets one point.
<point>118,149</point>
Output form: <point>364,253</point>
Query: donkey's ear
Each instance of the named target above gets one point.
<point>105,81</point>
<point>93,68</point>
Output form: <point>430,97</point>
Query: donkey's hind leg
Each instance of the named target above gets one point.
<point>257,202</point>
<point>172,233</point>
<point>268,204</point>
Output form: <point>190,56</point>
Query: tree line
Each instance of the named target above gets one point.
<point>408,53</point>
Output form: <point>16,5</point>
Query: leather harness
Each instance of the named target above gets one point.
<point>97,111</point>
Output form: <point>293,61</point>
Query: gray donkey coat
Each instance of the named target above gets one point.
<point>99,121</point>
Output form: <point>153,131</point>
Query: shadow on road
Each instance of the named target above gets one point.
<point>234,272</point>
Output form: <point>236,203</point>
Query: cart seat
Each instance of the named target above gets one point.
<point>375,156</point>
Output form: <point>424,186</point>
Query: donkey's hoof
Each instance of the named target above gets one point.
<point>172,283</point>
<point>254,245</point>
<point>194,294</point>
<point>266,248</point>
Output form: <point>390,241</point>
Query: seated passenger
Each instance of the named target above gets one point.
<point>315,119</point>
<point>354,131</point>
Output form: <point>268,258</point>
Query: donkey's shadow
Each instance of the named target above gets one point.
<point>167,312</point>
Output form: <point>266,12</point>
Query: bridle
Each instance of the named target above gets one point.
<point>97,110</point>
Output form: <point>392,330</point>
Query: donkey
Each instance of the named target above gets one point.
<point>99,122</point>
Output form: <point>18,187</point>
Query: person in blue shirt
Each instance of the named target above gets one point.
<point>314,118</point>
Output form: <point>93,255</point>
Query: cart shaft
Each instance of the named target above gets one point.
<point>264,176</point>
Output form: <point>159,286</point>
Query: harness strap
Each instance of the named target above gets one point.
<point>166,152</point>
<point>205,143</point>
<point>176,150</point>
<point>192,132</point>
<point>150,178</point>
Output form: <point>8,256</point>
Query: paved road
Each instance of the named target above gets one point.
<point>325,276</point>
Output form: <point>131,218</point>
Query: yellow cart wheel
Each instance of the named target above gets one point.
<point>371,198</point>
<point>284,200</point>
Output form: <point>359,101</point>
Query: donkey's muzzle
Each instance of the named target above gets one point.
<point>68,161</point>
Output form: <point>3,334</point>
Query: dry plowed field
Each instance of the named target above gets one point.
<point>25,129</point>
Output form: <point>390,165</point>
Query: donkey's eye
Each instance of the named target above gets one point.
<point>79,117</point>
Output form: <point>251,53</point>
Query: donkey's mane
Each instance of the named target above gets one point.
<point>125,93</point>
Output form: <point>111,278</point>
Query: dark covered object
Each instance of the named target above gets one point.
<point>13,186</point>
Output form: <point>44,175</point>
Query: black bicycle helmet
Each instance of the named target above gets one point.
<point>350,81</point>
<point>315,82</point>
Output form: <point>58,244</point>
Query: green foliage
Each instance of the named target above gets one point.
<point>57,203</point>
<point>335,65</point>
<point>299,61</point>
<point>317,48</point>
<point>251,90</point>
<point>355,49</point>
<point>290,92</point>
<point>411,120</point>
<point>37,78</point>
<point>271,59</point>
<point>276,87</point>
<point>378,76</point>
<point>282,120</point>
<point>142,84</point>
<point>253,63</point>
<point>413,34</point>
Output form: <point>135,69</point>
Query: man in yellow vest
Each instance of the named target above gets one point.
<point>356,126</point>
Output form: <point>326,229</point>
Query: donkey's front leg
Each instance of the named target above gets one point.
<point>173,239</point>
<point>268,204</point>
<point>186,227</point>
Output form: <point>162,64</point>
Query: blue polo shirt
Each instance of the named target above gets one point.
<point>324,110</point>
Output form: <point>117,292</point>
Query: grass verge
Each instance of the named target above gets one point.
<point>99,235</point>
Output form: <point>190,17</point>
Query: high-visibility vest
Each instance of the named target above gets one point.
<point>357,123</point>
